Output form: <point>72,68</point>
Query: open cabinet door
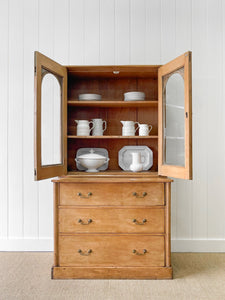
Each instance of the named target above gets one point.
<point>50,118</point>
<point>175,118</point>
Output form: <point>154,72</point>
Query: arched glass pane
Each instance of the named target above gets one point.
<point>51,119</point>
<point>174,119</point>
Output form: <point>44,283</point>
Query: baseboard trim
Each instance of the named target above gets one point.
<point>213,245</point>
<point>26,244</point>
<point>46,244</point>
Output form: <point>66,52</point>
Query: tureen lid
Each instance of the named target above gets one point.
<point>91,155</point>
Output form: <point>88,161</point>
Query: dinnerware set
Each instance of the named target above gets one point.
<point>130,158</point>
<point>84,127</point>
<point>129,96</point>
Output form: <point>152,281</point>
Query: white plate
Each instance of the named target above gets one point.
<point>134,96</point>
<point>125,157</point>
<point>101,151</point>
<point>89,97</point>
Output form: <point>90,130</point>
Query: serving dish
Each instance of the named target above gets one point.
<point>125,157</point>
<point>95,154</point>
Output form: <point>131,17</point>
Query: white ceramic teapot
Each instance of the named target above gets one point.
<point>83,127</point>
<point>136,165</point>
<point>129,128</point>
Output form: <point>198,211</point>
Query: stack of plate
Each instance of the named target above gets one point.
<point>89,97</point>
<point>134,96</point>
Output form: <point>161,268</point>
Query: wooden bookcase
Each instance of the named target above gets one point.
<point>113,199</point>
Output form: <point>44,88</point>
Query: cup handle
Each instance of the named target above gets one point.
<point>93,126</point>
<point>104,122</point>
<point>137,126</point>
<point>150,128</point>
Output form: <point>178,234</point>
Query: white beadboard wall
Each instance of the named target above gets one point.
<point>112,32</point>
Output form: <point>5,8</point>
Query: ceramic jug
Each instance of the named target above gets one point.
<point>144,129</point>
<point>99,126</point>
<point>136,165</point>
<point>83,127</point>
<point>129,128</point>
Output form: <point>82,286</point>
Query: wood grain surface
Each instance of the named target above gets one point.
<point>111,250</point>
<point>112,194</point>
<point>112,220</point>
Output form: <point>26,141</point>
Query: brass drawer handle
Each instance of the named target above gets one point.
<point>137,196</point>
<point>139,223</point>
<point>82,223</point>
<point>82,196</point>
<point>85,253</point>
<point>138,253</point>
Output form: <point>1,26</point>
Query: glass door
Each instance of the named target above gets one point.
<point>175,118</point>
<point>50,118</point>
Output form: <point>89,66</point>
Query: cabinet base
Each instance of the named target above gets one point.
<point>112,273</point>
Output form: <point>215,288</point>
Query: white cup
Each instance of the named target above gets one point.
<point>99,126</point>
<point>144,129</point>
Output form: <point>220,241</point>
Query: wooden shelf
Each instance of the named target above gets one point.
<point>110,103</point>
<point>112,137</point>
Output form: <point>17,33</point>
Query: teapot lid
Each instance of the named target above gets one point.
<point>91,155</point>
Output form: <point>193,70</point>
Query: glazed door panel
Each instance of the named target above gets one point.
<point>175,118</point>
<point>50,118</point>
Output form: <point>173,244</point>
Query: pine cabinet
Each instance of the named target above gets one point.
<point>113,223</point>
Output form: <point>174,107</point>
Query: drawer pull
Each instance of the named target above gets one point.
<point>85,253</point>
<point>139,223</point>
<point>82,223</point>
<point>137,196</point>
<point>138,253</point>
<point>82,196</point>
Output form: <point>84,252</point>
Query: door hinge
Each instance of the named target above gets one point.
<point>35,172</point>
<point>186,114</point>
<point>35,70</point>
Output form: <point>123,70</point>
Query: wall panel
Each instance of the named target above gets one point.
<point>200,86</point>
<point>91,32</point>
<point>30,188</point>
<point>112,32</point>
<point>107,32</point>
<point>15,119</point>
<point>46,36</point>
<point>122,32</point>
<point>4,95</point>
<point>183,25</point>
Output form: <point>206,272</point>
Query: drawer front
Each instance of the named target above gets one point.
<point>119,220</point>
<point>111,250</point>
<point>112,194</point>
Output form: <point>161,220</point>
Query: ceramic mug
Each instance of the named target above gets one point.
<point>144,129</point>
<point>83,127</point>
<point>99,126</point>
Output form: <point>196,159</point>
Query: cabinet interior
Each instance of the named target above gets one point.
<point>111,83</point>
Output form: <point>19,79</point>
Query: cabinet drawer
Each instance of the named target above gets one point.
<point>111,250</point>
<point>120,220</point>
<point>112,194</point>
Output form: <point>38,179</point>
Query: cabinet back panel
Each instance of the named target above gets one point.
<point>113,116</point>
<point>112,88</point>
<point>113,146</point>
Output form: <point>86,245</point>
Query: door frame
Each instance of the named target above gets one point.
<point>185,172</point>
<point>43,172</point>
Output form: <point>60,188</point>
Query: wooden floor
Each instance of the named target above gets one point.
<point>197,276</point>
